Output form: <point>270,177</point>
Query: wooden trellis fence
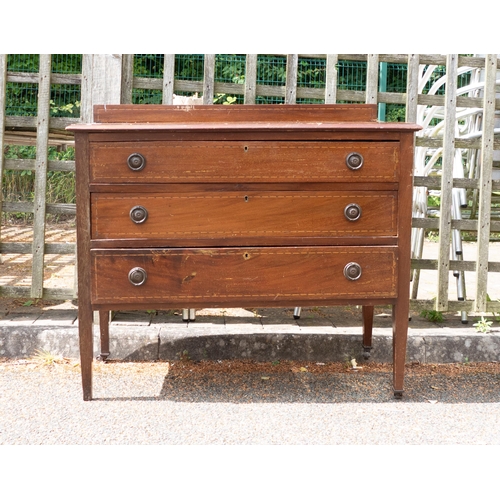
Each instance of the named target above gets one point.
<point>109,79</point>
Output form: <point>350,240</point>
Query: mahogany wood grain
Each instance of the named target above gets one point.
<point>204,216</point>
<point>401,309</point>
<point>85,315</point>
<point>245,209</point>
<point>244,161</point>
<point>253,275</point>
<point>235,113</point>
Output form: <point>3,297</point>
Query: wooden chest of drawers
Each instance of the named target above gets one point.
<point>243,206</point>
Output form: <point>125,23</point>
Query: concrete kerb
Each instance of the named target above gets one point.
<point>320,335</point>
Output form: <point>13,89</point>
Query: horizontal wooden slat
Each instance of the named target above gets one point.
<point>467,143</point>
<point>464,224</point>
<point>453,306</point>
<point>27,207</point>
<point>23,292</point>
<point>55,78</point>
<point>27,248</point>
<point>455,265</point>
<point>54,165</point>
<point>30,122</point>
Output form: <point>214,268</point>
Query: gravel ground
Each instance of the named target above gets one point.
<point>236,402</point>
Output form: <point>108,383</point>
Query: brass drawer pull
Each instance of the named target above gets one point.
<point>136,162</point>
<point>137,276</point>
<point>354,161</point>
<point>352,212</point>
<point>138,214</point>
<point>352,271</point>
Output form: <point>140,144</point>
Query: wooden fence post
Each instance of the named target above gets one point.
<point>127,78</point>
<point>331,79</point>
<point>450,112</point>
<point>41,166</point>
<point>412,88</point>
<point>250,79</point>
<point>3,92</point>
<point>292,61</point>
<point>168,78</point>
<point>209,79</point>
<point>485,189</point>
<point>101,82</point>
<point>372,79</point>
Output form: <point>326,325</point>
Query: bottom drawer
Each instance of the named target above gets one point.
<point>245,276</point>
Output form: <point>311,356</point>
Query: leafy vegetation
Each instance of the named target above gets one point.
<point>19,185</point>
<point>433,316</point>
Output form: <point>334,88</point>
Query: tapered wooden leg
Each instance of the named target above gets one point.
<point>104,331</point>
<point>85,327</point>
<point>367,330</point>
<point>399,338</point>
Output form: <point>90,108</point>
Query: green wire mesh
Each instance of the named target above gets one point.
<point>229,69</point>
<point>22,98</point>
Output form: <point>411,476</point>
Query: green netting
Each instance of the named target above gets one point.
<point>229,68</point>
<point>189,67</point>
<point>69,64</point>
<point>22,98</point>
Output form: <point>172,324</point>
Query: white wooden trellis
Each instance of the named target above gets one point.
<point>110,79</point>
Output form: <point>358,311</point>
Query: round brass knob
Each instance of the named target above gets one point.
<point>136,162</point>
<point>352,212</point>
<point>138,214</point>
<point>137,276</point>
<point>354,161</point>
<point>352,271</point>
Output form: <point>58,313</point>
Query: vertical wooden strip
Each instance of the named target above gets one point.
<point>209,79</point>
<point>412,88</point>
<point>168,78</point>
<point>41,163</point>
<point>86,102</point>
<point>400,310</point>
<point>127,78</point>
<point>250,79</point>
<point>3,104</point>
<point>331,78</point>
<point>411,117</point>
<point>484,214</point>
<point>85,316</point>
<point>450,111</point>
<point>292,62</point>
<point>101,82</point>
<point>372,79</point>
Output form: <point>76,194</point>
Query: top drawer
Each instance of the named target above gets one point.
<point>243,161</point>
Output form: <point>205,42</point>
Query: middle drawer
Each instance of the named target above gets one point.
<point>243,214</point>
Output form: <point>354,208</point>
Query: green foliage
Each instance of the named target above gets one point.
<point>431,315</point>
<point>19,185</point>
<point>184,356</point>
<point>483,325</point>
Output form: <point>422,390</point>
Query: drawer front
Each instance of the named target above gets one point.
<point>244,214</point>
<point>239,161</point>
<point>250,275</point>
